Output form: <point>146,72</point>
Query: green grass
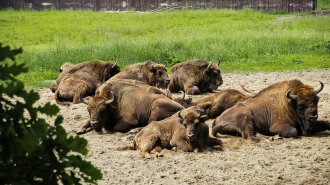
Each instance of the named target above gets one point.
<point>243,40</point>
<point>323,4</point>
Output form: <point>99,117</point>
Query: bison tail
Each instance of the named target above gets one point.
<point>59,100</point>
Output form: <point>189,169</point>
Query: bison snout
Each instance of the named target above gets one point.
<point>190,136</point>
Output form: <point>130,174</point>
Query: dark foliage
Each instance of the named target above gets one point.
<point>31,150</point>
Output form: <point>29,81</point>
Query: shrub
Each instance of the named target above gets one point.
<point>33,151</point>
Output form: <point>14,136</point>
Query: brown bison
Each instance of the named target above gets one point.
<point>195,77</point>
<point>83,78</point>
<point>185,130</point>
<point>221,101</point>
<point>121,106</point>
<point>216,104</point>
<point>148,72</point>
<point>287,108</point>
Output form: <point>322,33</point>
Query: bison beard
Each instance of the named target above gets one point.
<point>287,108</point>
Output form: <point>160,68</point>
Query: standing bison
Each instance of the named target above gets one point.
<point>287,108</point>
<point>121,106</point>
<point>184,130</point>
<point>195,77</point>
<point>82,79</point>
<point>148,72</point>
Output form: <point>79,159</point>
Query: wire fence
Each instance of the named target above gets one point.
<point>161,5</point>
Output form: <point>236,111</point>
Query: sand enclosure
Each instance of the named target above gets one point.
<point>303,160</point>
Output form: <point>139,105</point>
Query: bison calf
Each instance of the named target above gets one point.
<point>184,130</point>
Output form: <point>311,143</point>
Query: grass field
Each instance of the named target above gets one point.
<point>243,40</point>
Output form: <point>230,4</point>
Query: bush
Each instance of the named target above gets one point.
<point>33,151</point>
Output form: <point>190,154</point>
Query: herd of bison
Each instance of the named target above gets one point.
<point>138,100</point>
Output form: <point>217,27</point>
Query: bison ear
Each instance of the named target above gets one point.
<point>153,69</point>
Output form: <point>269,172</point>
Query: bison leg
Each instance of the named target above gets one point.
<point>125,124</point>
<point>146,143</point>
<point>79,90</point>
<point>284,130</point>
<point>84,128</point>
<point>182,145</point>
<point>192,89</point>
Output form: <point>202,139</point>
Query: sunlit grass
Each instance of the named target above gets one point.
<point>242,40</point>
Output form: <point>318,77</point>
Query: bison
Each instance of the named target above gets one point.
<point>185,130</point>
<point>216,104</point>
<point>121,106</point>
<point>148,72</point>
<point>82,79</point>
<point>287,108</point>
<point>195,77</point>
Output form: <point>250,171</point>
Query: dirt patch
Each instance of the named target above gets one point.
<point>303,160</point>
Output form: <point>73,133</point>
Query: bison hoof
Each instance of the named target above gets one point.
<point>81,132</point>
<point>133,131</point>
<point>159,155</point>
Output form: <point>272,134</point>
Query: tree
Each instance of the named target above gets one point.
<point>31,150</point>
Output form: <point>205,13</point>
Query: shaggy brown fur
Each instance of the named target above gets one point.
<point>148,72</point>
<point>185,130</point>
<point>133,106</point>
<point>221,101</point>
<point>287,108</point>
<point>195,77</point>
<point>82,79</point>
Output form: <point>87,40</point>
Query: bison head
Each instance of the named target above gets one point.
<point>213,76</point>
<point>98,108</point>
<point>192,122</point>
<point>158,74</point>
<point>111,70</point>
<point>304,100</point>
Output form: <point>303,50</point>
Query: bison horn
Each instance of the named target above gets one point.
<point>288,95</point>
<point>218,62</point>
<point>183,94</point>
<point>319,89</point>
<point>179,115</point>
<point>111,100</point>
<point>209,66</point>
<point>83,100</point>
<point>200,112</point>
<point>114,64</point>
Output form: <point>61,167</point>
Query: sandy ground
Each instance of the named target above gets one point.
<point>303,160</point>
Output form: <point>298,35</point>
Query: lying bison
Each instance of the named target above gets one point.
<point>148,72</point>
<point>121,106</point>
<point>221,101</point>
<point>216,104</point>
<point>195,77</point>
<point>287,108</point>
<point>184,130</point>
<point>83,78</point>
